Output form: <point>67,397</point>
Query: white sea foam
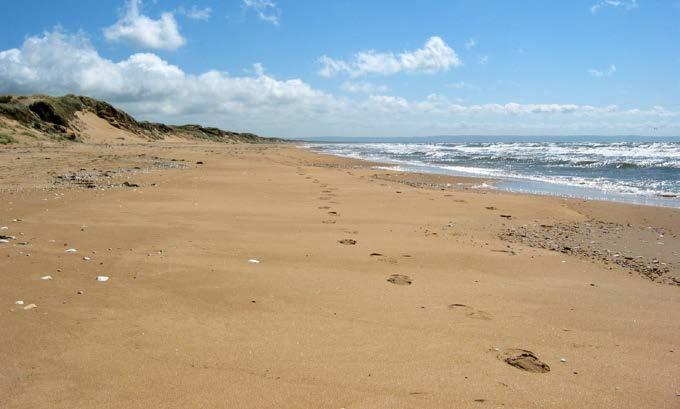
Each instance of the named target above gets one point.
<point>647,169</point>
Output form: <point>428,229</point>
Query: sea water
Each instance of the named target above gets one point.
<point>636,171</point>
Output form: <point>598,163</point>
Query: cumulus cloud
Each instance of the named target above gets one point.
<point>266,10</point>
<point>58,63</point>
<point>435,56</point>
<point>196,13</point>
<point>151,88</point>
<point>140,30</point>
<point>599,73</point>
<point>624,4</point>
<point>363,87</point>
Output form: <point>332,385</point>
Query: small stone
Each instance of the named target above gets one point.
<point>349,242</point>
<point>86,258</point>
<point>70,251</point>
<point>19,302</point>
<point>102,279</point>
<point>253,261</point>
<point>47,277</point>
<point>30,306</point>
<point>563,360</point>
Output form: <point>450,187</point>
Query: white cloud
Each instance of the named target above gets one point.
<point>513,108</point>
<point>258,68</point>
<point>138,29</point>
<point>266,10</point>
<point>57,63</point>
<point>624,4</point>
<point>386,103</point>
<point>363,87</point>
<point>483,60</point>
<point>151,88</point>
<point>471,43</point>
<point>435,56</point>
<point>598,73</point>
<point>196,13</point>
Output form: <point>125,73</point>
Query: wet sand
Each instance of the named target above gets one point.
<point>373,289</point>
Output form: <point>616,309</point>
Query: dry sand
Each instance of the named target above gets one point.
<point>373,290</point>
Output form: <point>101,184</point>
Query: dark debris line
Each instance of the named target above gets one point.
<point>97,179</point>
<point>578,239</point>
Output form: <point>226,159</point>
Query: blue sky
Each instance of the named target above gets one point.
<point>392,68</point>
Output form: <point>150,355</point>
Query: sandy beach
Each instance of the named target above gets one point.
<point>268,276</point>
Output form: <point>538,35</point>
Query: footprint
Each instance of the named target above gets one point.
<point>470,312</point>
<point>524,360</point>
<point>400,279</point>
<point>349,242</point>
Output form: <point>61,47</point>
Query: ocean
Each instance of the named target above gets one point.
<point>625,170</point>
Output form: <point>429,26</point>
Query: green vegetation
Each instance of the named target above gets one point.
<point>6,139</point>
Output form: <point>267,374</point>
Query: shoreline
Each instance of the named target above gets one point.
<point>528,184</point>
<point>371,289</point>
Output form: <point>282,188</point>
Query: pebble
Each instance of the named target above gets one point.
<point>19,302</point>
<point>102,279</point>
<point>70,251</point>
<point>563,360</point>
<point>47,277</point>
<point>4,228</point>
<point>30,306</point>
<point>86,258</point>
<point>253,261</point>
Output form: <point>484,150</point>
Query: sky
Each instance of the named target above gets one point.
<point>358,68</point>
